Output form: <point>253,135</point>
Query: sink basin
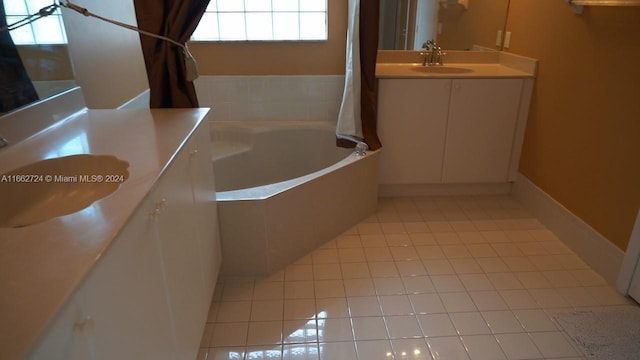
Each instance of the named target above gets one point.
<point>444,69</point>
<point>54,187</point>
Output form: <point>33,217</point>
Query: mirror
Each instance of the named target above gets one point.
<point>454,24</point>
<point>34,59</point>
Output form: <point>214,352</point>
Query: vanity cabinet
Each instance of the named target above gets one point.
<point>148,296</point>
<point>444,130</point>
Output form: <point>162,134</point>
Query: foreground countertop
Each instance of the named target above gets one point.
<point>41,265</point>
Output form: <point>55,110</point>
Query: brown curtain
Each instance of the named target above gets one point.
<point>369,15</point>
<point>16,88</point>
<point>164,61</point>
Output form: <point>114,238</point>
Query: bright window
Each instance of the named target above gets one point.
<point>46,30</point>
<point>263,20</point>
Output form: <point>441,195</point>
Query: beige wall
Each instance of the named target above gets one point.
<point>582,144</point>
<point>107,60</point>
<point>280,58</point>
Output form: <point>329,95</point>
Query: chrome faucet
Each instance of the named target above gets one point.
<point>361,148</point>
<point>432,54</point>
<point>3,142</point>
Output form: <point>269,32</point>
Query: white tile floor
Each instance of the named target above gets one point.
<point>473,277</point>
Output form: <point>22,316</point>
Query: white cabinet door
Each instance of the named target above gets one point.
<point>412,118</point>
<point>66,338</point>
<point>125,295</point>
<point>205,214</point>
<point>480,130</point>
<point>178,241</point>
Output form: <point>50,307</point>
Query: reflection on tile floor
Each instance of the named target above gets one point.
<point>474,277</point>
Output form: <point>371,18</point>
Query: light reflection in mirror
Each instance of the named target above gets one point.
<point>38,47</point>
<point>454,24</point>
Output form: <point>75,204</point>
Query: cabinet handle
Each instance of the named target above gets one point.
<point>84,324</point>
<point>153,213</point>
<point>160,205</point>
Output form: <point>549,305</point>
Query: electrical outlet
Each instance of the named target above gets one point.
<point>507,39</point>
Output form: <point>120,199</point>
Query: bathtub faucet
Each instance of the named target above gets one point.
<point>361,148</point>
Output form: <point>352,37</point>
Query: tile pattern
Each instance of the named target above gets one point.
<point>473,277</point>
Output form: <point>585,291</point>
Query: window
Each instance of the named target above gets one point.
<point>263,20</point>
<point>46,30</point>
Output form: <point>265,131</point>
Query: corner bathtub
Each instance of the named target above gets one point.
<point>283,189</point>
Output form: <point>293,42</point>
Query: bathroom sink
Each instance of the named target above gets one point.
<point>59,186</point>
<point>440,69</point>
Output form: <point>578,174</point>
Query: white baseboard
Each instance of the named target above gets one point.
<point>387,190</point>
<point>628,269</point>
<point>598,252</point>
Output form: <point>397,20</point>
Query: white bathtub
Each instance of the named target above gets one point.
<point>284,188</point>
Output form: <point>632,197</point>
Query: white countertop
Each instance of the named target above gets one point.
<point>393,64</point>
<point>41,265</point>
<point>405,70</point>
